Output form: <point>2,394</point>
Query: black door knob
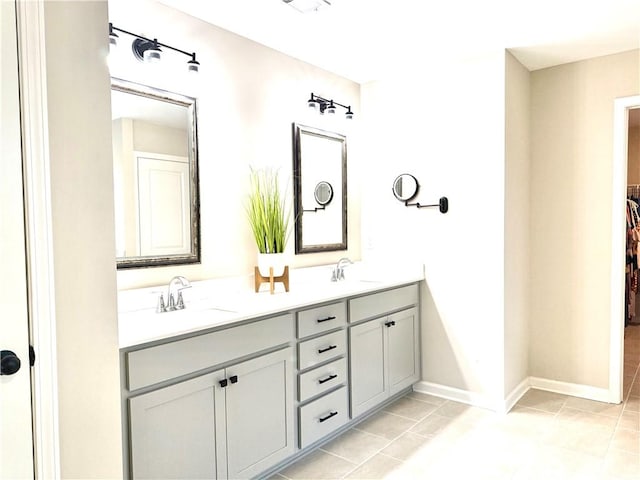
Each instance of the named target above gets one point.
<point>9,362</point>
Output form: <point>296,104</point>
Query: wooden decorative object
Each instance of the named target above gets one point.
<point>284,278</point>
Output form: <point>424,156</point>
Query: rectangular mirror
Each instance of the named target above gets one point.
<point>155,165</point>
<point>320,189</point>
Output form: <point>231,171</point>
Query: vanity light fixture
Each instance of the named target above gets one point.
<point>323,105</point>
<point>148,50</point>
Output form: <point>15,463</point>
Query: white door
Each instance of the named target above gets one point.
<point>164,204</point>
<point>16,438</point>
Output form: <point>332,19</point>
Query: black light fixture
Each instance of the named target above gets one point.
<point>324,105</point>
<point>113,37</point>
<point>148,50</point>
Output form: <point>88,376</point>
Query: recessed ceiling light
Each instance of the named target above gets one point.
<point>306,6</point>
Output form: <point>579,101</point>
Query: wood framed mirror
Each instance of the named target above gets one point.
<point>155,163</point>
<point>320,171</point>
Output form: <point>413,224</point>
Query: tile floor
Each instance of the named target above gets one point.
<point>545,436</point>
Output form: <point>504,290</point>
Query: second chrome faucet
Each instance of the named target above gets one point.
<point>174,295</point>
<point>338,270</point>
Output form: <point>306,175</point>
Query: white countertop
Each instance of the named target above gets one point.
<point>218,302</point>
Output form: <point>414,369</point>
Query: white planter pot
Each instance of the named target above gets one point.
<point>275,260</point>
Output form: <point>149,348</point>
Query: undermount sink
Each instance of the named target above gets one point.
<point>209,305</point>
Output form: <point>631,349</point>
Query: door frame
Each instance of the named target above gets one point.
<point>618,242</point>
<point>39,235</point>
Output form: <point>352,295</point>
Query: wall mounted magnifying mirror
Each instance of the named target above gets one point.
<point>323,194</point>
<point>320,178</point>
<point>405,188</point>
<point>155,164</point>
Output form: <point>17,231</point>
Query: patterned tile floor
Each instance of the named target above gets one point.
<point>545,436</point>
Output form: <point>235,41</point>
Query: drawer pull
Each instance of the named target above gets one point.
<point>223,383</point>
<point>390,324</point>
<point>320,320</point>
<point>324,419</point>
<point>325,380</point>
<point>233,379</point>
<point>330,347</point>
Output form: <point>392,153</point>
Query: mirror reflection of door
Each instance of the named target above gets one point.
<point>163,205</point>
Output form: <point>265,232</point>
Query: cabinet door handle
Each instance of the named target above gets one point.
<point>320,320</point>
<point>233,379</point>
<point>223,383</point>
<point>325,380</point>
<point>324,419</point>
<point>390,324</point>
<point>330,347</point>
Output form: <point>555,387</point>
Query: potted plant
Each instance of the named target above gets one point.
<point>269,219</point>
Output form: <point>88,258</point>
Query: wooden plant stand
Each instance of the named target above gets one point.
<point>284,278</point>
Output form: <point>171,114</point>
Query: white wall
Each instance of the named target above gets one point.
<point>248,97</point>
<point>516,231</point>
<point>633,152</point>
<point>571,195</point>
<point>446,127</point>
<point>82,211</point>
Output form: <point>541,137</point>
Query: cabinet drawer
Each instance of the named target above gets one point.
<point>170,360</point>
<point>378,304</point>
<point>323,416</point>
<point>322,379</point>
<point>320,319</point>
<point>322,349</point>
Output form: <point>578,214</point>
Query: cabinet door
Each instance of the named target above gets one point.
<point>402,356</point>
<point>366,360</point>
<point>173,430</point>
<point>259,407</point>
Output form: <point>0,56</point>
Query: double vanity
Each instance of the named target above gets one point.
<point>239,384</point>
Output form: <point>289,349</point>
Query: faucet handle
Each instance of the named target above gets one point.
<point>334,275</point>
<point>180,304</point>
<point>160,308</point>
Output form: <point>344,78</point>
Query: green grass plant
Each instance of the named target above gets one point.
<point>267,211</point>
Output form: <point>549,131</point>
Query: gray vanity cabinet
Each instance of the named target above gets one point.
<point>217,405</point>
<point>240,401</point>
<point>384,351</point>
<point>232,423</point>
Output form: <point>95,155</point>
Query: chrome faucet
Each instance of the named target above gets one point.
<point>338,270</point>
<point>177,284</point>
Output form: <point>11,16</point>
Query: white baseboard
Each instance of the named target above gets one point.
<point>573,389</point>
<point>515,395</point>
<point>482,401</point>
<point>455,394</point>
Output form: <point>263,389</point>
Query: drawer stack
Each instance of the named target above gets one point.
<point>322,371</point>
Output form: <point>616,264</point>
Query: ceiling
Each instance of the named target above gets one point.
<point>365,40</point>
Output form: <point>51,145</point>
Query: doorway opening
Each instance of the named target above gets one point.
<point>622,109</point>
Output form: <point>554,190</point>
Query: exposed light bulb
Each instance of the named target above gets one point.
<point>193,65</point>
<point>313,104</point>
<point>153,54</point>
<point>349,114</point>
<point>113,39</point>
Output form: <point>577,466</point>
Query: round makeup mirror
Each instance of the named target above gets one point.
<point>405,187</point>
<point>323,193</point>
